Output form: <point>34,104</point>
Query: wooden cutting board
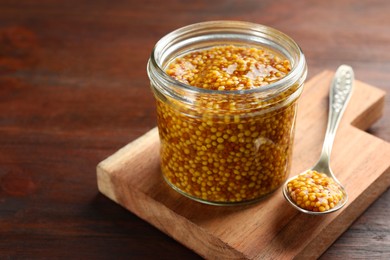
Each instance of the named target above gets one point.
<point>271,228</point>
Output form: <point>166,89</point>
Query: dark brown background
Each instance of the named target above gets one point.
<point>74,89</point>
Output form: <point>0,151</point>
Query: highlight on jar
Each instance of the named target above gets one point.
<point>226,95</point>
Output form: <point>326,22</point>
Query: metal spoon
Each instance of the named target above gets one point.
<point>340,93</point>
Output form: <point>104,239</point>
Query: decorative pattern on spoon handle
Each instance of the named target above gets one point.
<point>340,93</point>
<point>342,88</point>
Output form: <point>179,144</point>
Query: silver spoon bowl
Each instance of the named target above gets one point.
<point>340,93</point>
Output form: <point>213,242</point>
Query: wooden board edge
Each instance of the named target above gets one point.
<point>112,163</point>
<point>104,183</point>
<point>372,114</point>
<point>134,148</point>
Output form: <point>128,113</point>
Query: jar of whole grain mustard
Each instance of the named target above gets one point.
<point>226,95</point>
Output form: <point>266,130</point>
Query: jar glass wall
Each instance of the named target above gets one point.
<point>225,147</point>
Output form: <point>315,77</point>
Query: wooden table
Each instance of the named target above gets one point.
<point>74,89</point>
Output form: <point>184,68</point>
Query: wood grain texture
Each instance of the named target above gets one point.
<point>269,229</point>
<point>74,89</point>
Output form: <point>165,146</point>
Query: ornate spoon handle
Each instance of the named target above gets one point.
<point>340,93</point>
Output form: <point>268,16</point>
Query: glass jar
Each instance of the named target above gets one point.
<point>225,147</point>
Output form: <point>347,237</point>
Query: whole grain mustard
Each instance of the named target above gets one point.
<point>229,68</point>
<point>219,152</point>
<point>314,191</point>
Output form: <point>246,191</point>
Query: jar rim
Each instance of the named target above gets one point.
<point>225,26</point>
